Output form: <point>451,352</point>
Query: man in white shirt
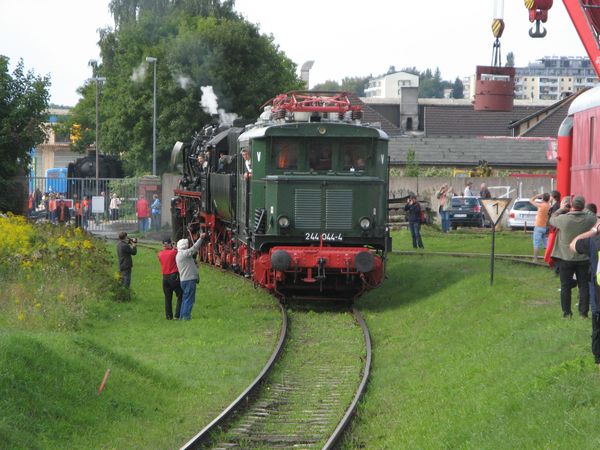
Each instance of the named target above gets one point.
<point>247,163</point>
<point>468,190</point>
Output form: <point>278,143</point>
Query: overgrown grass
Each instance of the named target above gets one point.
<point>167,378</point>
<point>462,364</point>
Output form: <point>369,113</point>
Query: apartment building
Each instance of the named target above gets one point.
<point>554,77</point>
<point>395,96</point>
<point>391,85</point>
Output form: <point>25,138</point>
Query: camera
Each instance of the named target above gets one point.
<point>132,240</point>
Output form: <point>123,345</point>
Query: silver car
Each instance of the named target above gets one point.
<point>522,214</point>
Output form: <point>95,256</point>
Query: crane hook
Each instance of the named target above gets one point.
<point>539,32</point>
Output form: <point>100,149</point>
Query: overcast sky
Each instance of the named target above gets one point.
<point>343,37</point>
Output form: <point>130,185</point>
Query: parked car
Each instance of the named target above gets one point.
<point>467,212</point>
<point>522,214</point>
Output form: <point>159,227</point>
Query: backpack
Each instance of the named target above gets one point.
<point>422,216</point>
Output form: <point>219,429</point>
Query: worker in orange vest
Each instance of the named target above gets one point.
<point>52,208</point>
<point>85,209</point>
<point>78,208</point>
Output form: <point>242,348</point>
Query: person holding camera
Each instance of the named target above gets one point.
<point>570,220</point>
<point>413,210</point>
<point>444,195</point>
<point>540,229</point>
<point>125,249</point>
<point>188,274</point>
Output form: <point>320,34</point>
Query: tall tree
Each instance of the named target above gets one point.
<point>23,109</point>
<point>328,85</point>
<point>510,59</point>
<point>356,85</point>
<point>458,89</point>
<point>214,48</point>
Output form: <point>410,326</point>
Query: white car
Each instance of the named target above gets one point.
<point>522,214</point>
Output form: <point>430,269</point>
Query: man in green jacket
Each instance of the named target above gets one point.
<point>571,221</point>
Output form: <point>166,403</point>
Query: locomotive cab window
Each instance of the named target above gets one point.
<point>355,156</point>
<point>285,154</point>
<point>320,156</point>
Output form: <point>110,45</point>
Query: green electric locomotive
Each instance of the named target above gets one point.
<point>297,201</point>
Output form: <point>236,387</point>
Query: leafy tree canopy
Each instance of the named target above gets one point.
<point>354,85</point>
<point>23,110</point>
<point>197,43</point>
<point>458,88</point>
<point>510,59</point>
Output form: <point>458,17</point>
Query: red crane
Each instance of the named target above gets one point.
<point>577,165</point>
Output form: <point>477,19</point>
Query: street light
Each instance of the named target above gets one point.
<point>153,60</point>
<point>97,80</point>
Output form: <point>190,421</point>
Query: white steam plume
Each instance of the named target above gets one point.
<point>139,73</point>
<point>211,106</point>
<point>183,81</point>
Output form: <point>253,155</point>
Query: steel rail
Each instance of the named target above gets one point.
<point>204,435</point>
<point>523,259</point>
<point>343,424</point>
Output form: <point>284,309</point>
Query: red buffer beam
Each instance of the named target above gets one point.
<point>585,15</point>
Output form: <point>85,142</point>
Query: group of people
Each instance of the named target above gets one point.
<point>204,163</point>
<point>179,272</point>
<point>575,256</point>
<point>148,214</point>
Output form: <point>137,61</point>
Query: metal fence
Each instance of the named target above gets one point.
<point>108,205</point>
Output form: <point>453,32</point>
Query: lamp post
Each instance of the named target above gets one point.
<point>97,80</point>
<point>153,60</point>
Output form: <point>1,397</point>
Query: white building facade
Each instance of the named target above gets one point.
<point>390,86</point>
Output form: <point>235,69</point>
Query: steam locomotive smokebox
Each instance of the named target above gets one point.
<point>494,88</point>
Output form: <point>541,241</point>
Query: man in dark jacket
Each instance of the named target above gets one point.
<point>62,213</point>
<point>413,209</point>
<point>125,249</point>
<point>589,244</point>
<point>571,222</point>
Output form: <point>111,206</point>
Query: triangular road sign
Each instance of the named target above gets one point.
<point>495,207</point>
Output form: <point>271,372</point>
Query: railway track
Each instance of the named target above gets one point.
<point>307,393</point>
<point>522,259</point>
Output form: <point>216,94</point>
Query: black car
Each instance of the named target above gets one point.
<point>466,212</point>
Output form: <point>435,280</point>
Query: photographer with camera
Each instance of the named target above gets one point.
<point>126,247</point>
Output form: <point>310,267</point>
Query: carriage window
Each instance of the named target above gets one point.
<point>319,156</point>
<point>592,136</point>
<point>355,156</point>
<point>285,154</point>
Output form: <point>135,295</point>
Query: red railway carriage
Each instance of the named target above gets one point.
<point>578,166</point>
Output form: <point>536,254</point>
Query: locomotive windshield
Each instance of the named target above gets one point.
<point>322,155</point>
<point>285,154</point>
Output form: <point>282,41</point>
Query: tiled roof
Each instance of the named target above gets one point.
<point>372,116</point>
<point>455,151</point>
<point>463,120</point>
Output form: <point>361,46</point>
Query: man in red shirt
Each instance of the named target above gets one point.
<point>143,214</point>
<point>170,281</point>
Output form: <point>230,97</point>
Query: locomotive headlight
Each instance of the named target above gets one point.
<point>283,222</point>
<point>365,223</point>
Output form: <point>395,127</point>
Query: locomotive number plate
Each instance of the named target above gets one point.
<point>329,237</point>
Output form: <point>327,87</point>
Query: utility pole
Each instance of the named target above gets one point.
<point>153,60</point>
<point>97,80</point>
